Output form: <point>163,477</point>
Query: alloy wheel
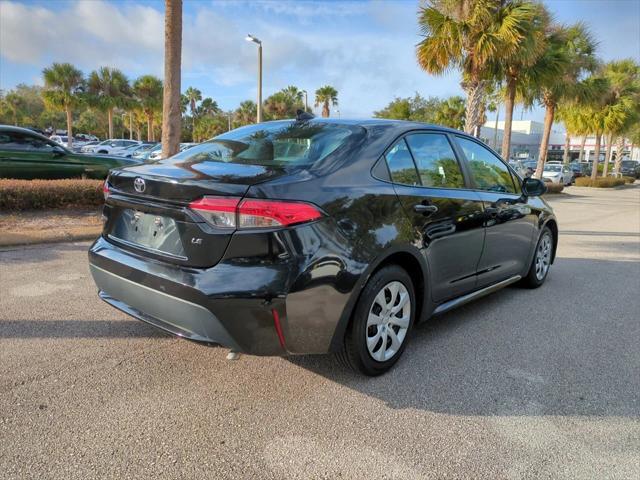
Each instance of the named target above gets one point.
<point>388,321</point>
<point>543,256</point>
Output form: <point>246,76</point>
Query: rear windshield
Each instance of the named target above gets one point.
<point>273,144</point>
<point>553,168</point>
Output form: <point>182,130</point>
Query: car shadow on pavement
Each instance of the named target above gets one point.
<point>567,348</point>
<point>40,253</point>
<point>78,329</point>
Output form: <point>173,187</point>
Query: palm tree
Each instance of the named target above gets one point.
<point>108,88</point>
<point>556,76</point>
<point>208,107</point>
<point>474,36</point>
<point>148,92</point>
<point>451,113</point>
<point>14,103</point>
<point>245,114</point>
<point>294,93</point>
<point>193,96</point>
<point>64,86</point>
<point>171,114</point>
<point>529,48</point>
<point>575,123</point>
<point>279,106</point>
<point>326,96</point>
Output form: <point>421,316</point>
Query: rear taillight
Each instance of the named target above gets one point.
<point>233,212</point>
<point>105,189</point>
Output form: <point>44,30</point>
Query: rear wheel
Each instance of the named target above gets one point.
<point>381,323</point>
<point>541,260</point>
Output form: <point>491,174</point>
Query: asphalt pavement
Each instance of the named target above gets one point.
<point>521,384</point>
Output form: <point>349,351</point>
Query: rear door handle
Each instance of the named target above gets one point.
<point>421,208</point>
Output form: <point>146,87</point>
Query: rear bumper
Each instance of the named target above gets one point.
<point>171,314</point>
<point>236,302</point>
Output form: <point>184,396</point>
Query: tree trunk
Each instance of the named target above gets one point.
<point>15,119</point>
<point>110,120</point>
<point>475,96</point>
<point>567,146</point>
<point>150,127</point>
<point>495,129</point>
<point>607,156</point>
<point>619,150</point>
<point>544,144</point>
<point>171,111</point>
<point>594,170</point>
<point>325,110</point>
<point>69,127</point>
<point>583,142</point>
<point>508,116</point>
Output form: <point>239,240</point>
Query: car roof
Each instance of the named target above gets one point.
<point>11,128</point>
<point>377,123</point>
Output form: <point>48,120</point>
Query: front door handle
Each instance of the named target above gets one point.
<point>426,209</point>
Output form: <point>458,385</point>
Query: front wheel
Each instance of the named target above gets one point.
<point>541,260</point>
<point>381,323</point>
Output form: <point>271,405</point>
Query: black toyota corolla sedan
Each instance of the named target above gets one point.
<point>319,236</point>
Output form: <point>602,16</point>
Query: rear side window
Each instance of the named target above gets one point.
<point>274,144</point>
<point>436,162</point>
<point>489,172</point>
<point>401,166</point>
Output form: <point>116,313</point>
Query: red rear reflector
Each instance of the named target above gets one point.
<point>105,189</point>
<point>276,323</point>
<point>230,212</point>
<point>272,213</point>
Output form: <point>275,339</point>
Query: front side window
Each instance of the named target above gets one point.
<point>436,162</point>
<point>401,166</point>
<point>488,171</point>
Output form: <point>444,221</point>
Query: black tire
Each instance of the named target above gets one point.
<point>532,279</point>
<point>355,353</point>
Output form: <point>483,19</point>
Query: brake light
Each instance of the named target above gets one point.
<point>105,189</point>
<point>229,212</point>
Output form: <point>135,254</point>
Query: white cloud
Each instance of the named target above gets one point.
<point>368,65</point>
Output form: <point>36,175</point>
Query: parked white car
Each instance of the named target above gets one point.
<point>111,146</point>
<point>558,173</point>
<point>60,139</point>
<point>156,153</point>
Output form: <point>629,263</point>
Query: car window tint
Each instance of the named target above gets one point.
<point>23,142</point>
<point>401,166</point>
<point>436,162</point>
<point>488,171</point>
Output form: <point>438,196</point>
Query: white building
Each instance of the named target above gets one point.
<point>526,136</point>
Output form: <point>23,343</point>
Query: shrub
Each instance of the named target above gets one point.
<point>18,195</point>
<point>600,182</point>
<point>629,179</point>
<point>554,187</point>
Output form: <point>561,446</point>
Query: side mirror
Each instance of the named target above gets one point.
<point>113,144</point>
<point>58,151</point>
<point>532,187</point>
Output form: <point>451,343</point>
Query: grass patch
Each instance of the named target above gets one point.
<point>19,195</point>
<point>600,182</point>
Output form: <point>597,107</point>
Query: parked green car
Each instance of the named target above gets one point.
<point>29,155</point>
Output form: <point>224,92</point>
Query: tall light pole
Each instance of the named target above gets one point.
<point>306,104</point>
<point>123,116</point>
<point>251,38</point>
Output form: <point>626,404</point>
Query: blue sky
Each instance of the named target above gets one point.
<point>363,48</point>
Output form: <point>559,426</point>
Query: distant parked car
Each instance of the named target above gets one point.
<point>29,155</point>
<point>630,168</point>
<point>130,151</point>
<point>111,146</point>
<point>557,173</point>
<point>578,169</point>
<point>156,153</point>
<point>60,139</point>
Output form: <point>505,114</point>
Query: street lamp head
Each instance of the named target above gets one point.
<point>251,38</point>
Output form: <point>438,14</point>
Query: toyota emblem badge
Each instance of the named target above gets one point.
<point>139,185</point>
